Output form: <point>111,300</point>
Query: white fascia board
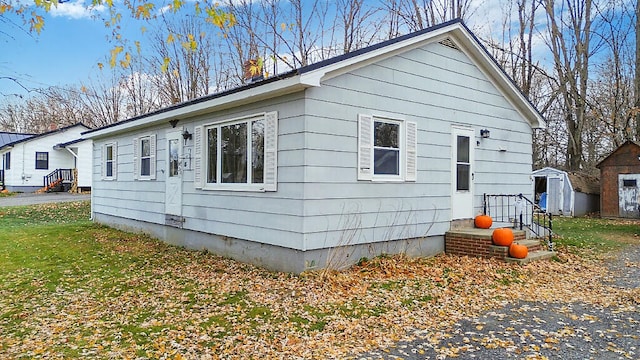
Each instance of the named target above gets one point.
<point>261,92</point>
<point>488,66</point>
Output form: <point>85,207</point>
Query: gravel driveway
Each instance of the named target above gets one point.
<point>22,199</point>
<point>528,330</point>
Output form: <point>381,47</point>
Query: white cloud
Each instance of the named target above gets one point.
<point>75,10</point>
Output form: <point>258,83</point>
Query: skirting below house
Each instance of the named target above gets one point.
<point>23,189</point>
<point>275,257</point>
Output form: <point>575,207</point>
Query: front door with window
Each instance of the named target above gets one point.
<point>462,173</point>
<point>173,184</point>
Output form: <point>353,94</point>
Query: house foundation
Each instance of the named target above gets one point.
<point>273,257</point>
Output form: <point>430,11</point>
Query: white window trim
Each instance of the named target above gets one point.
<point>407,145</point>
<point>114,161</point>
<point>137,159</point>
<point>270,174</point>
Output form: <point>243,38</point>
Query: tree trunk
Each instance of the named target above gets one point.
<point>637,73</point>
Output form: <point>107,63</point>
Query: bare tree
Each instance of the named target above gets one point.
<point>612,92</point>
<point>416,15</point>
<point>569,40</point>
<point>637,70</point>
<point>104,100</point>
<point>355,19</point>
<point>184,49</point>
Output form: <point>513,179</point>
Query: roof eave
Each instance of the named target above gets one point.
<point>270,90</point>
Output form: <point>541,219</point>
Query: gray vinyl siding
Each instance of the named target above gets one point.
<point>319,203</point>
<point>436,87</point>
<point>267,217</point>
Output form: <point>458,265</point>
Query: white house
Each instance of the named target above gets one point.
<point>375,151</point>
<point>26,162</point>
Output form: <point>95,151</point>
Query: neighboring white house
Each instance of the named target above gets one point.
<point>566,193</point>
<point>375,151</point>
<point>27,161</point>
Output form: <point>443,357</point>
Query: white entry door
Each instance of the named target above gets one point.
<point>462,145</point>
<point>173,183</point>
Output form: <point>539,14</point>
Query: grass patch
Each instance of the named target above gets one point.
<point>595,235</point>
<point>70,288</point>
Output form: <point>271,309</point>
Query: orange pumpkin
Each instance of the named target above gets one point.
<point>518,251</point>
<point>483,221</point>
<point>502,236</point>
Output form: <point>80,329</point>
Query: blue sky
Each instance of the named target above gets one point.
<point>66,52</point>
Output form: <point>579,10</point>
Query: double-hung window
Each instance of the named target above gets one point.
<point>7,160</point>
<point>42,160</point>
<point>109,161</point>
<point>386,149</point>
<point>237,154</point>
<point>144,157</point>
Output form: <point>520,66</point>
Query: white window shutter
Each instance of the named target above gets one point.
<point>411,171</point>
<point>136,158</point>
<point>114,162</point>
<point>271,151</point>
<point>198,144</point>
<point>365,147</point>
<point>152,157</point>
<point>103,162</point>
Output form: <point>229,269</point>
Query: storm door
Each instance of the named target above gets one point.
<point>462,173</point>
<point>173,183</point>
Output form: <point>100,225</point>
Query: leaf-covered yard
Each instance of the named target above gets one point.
<point>69,288</point>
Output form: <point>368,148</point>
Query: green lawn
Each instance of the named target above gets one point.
<point>596,235</point>
<point>70,289</point>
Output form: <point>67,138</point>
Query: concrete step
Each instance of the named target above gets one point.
<point>532,256</point>
<point>531,244</point>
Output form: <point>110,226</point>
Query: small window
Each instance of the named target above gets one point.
<point>463,165</point>
<point>144,157</point>
<point>386,149</point>
<point>174,157</point>
<point>629,182</point>
<point>42,160</point>
<point>109,161</point>
<point>7,160</point>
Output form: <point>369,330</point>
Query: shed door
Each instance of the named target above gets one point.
<point>555,197</point>
<point>628,195</point>
<point>173,184</point>
<point>462,173</point>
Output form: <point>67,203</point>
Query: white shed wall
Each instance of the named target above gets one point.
<point>84,163</point>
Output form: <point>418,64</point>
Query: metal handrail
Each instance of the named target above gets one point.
<point>521,212</point>
<point>58,175</point>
